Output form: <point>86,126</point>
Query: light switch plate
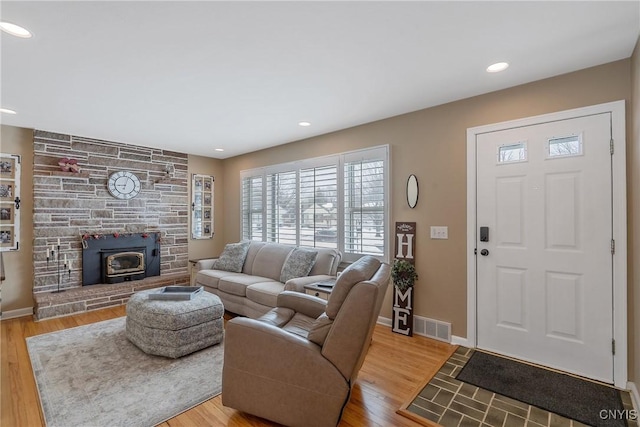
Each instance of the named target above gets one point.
<point>439,232</point>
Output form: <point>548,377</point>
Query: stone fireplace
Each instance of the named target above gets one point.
<point>76,210</point>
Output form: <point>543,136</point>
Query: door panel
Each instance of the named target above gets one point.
<point>511,304</point>
<point>564,294</point>
<point>544,289</point>
<point>562,191</point>
<point>510,211</point>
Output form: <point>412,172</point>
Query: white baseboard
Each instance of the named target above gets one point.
<point>635,397</point>
<point>455,340</point>
<point>17,313</point>
<point>384,321</point>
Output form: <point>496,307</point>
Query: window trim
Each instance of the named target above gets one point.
<point>381,152</point>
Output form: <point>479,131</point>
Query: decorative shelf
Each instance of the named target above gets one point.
<point>171,181</point>
<point>70,174</point>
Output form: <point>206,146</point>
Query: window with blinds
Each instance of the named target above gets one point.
<point>282,205</point>
<point>332,202</point>
<point>364,215</point>
<point>252,208</point>
<point>319,206</point>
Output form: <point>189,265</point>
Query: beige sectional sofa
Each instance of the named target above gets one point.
<point>253,289</point>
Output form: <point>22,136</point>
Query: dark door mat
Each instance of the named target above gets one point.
<point>588,402</point>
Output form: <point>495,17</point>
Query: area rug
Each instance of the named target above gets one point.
<point>93,376</point>
<point>562,394</point>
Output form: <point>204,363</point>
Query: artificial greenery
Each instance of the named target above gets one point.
<point>403,274</point>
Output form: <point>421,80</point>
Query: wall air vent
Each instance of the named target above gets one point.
<point>432,328</point>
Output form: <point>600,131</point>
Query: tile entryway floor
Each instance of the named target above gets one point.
<point>452,403</point>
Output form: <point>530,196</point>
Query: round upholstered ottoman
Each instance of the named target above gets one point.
<point>174,328</point>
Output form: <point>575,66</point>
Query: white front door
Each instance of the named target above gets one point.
<point>544,260</point>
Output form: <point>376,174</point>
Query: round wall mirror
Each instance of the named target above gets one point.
<point>412,191</point>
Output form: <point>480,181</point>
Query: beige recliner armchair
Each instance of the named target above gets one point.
<point>296,364</point>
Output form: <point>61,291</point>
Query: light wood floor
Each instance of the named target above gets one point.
<point>394,369</point>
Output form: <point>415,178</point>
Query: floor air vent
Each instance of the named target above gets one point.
<point>431,328</point>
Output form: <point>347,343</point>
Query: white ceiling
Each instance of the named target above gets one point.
<point>194,76</point>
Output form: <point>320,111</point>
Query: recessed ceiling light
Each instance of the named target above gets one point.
<point>219,149</point>
<point>497,67</point>
<point>304,124</point>
<point>6,110</point>
<point>15,30</point>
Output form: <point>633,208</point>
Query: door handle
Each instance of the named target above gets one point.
<point>484,252</point>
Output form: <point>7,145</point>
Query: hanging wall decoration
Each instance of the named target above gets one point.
<point>412,191</point>
<point>201,206</point>
<point>404,275</point>
<point>9,202</point>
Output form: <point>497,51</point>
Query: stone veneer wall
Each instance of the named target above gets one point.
<point>67,205</point>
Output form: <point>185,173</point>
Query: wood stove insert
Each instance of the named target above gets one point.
<point>123,265</point>
<point>112,259</point>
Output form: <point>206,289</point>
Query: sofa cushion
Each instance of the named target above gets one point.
<point>270,259</point>
<point>237,285</point>
<point>232,257</point>
<point>359,271</point>
<point>326,263</point>
<point>299,325</point>
<point>298,264</point>
<point>211,278</point>
<point>254,248</point>
<point>265,293</point>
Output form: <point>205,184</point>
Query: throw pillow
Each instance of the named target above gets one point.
<point>232,257</point>
<point>298,264</point>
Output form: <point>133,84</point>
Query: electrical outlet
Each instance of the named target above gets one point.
<point>440,232</point>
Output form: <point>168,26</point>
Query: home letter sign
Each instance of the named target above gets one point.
<point>405,241</point>
<point>402,301</point>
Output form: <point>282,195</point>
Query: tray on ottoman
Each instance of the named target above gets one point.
<point>178,293</point>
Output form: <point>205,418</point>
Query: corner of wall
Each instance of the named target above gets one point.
<point>633,207</point>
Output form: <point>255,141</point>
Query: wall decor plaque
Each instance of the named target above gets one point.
<point>405,250</point>
<point>9,202</point>
<point>202,206</point>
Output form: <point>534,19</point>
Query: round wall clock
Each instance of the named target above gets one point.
<point>123,185</point>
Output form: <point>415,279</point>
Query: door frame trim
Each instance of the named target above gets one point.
<point>617,110</point>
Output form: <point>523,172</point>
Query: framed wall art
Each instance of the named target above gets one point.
<point>201,206</point>
<point>7,214</point>
<point>9,202</point>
